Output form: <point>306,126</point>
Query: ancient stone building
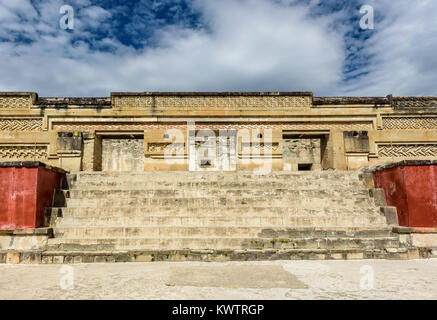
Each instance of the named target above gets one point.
<point>261,186</point>
<point>216,131</point>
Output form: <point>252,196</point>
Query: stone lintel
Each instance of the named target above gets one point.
<point>27,232</point>
<point>407,230</point>
<point>30,164</point>
<point>385,166</point>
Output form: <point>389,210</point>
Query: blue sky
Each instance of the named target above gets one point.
<point>219,45</point>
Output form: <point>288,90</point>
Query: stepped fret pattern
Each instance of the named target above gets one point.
<point>407,150</point>
<point>18,152</point>
<point>21,125</point>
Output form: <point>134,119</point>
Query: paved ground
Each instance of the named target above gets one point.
<point>413,279</point>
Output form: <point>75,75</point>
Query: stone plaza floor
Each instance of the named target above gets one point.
<point>353,279</point>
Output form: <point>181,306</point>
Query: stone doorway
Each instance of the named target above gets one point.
<point>213,150</point>
<point>122,152</point>
<point>303,152</point>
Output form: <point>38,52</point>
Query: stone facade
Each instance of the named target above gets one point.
<point>151,130</point>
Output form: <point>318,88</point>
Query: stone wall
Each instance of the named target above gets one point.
<point>396,127</point>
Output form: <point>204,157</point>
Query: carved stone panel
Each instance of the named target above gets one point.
<point>211,151</point>
<point>302,154</point>
<point>122,154</point>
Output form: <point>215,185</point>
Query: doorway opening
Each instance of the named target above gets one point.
<point>304,166</point>
<point>304,151</point>
<point>122,151</point>
<point>213,150</point>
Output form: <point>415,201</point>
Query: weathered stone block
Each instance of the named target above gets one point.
<point>337,256</point>
<point>13,257</point>
<point>413,253</point>
<point>69,141</point>
<point>427,240</point>
<point>110,259</point>
<point>87,259</point>
<point>77,259</point>
<point>100,259</point>
<point>391,215</point>
<point>356,141</point>
<point>378,196</point>
<point>58,259</point>
<point>354,255</point>
<point>31,257</point>
<point>47,259</point>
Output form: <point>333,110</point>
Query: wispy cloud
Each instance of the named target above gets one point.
<point>230,45</point>
<point>403,50</point>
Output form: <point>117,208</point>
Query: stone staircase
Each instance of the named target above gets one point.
<point>216,216</point>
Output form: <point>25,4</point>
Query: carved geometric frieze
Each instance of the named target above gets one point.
<point>255,148</point>
<point>90,126</point>
<point>163,147</point>
<point>409,122</point>
<point>15,102</point>
<point>23,152</point>
<point>213,102</point>
<point>407,150</point>
<point>16,124</point>
<point>133,102</point>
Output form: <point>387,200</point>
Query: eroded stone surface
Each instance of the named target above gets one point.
<point>412,279</point>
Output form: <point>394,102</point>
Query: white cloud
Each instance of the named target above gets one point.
<point>248,45</point>
<point>251,45</point>
<point>404,48</point>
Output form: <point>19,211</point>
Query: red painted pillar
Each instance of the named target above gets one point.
<point>26,189</point>
<point>421,187</point>
<point>411,187</point>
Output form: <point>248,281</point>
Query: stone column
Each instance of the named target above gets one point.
<point>339,159</point>
<point>92,152</point>
<point>69,150</point>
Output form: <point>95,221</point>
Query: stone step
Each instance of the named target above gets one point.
<point>154,231</point>
<point>213,174</point>
<point>254,185</point>
<point>219,243</point>
<point>312,209</point>
<point>206,202</point>
<point>230,179</point>
<point>222,221</point>
<point>216,193</point>
<point>96,256</point>
<point>326,232</point>
<point>187,215</point>
<point>187,231</point>
<point>217,176</point>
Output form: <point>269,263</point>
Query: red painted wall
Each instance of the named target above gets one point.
<point>412,189</point>
<point>24,194</point>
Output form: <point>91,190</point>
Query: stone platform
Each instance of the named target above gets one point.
<point>219,216</point>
